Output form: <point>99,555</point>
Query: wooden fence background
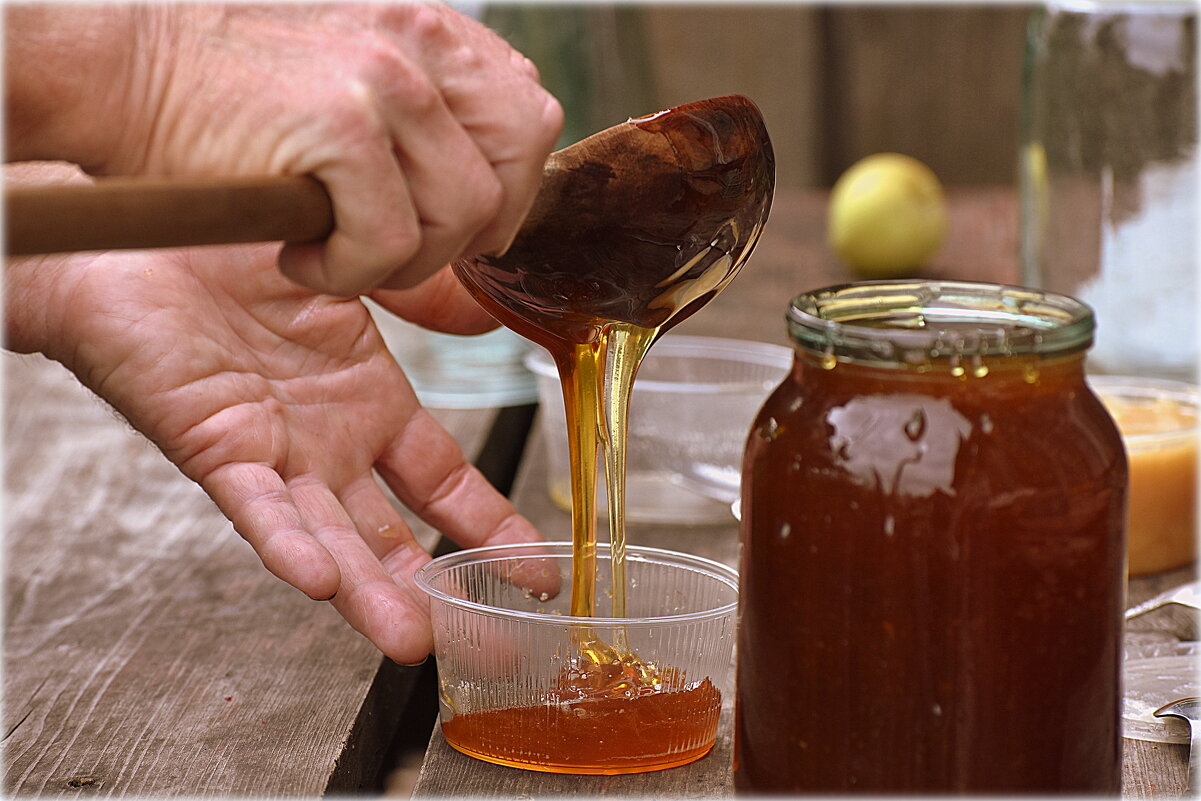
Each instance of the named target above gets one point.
<point>835,83</point>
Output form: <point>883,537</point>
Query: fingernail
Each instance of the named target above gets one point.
<point>412,664</point>
<point>501,251</point>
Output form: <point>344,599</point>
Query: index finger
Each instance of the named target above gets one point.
<point>428,472</point>
<point>496,95</point>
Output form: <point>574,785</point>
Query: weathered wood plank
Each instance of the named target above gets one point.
<point>942,84</point>
<point>147,652</point>
<point>1158,770</point>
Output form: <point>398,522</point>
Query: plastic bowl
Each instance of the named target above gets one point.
<point>525,684</point>
<point>1158,420</point>
<point>692,406</point>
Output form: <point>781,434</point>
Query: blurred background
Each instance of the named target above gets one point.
<point>941,83</point>
<point>835,83</point>
<point>1064,132</point>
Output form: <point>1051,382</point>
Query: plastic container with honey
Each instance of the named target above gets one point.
<point>933,560</point>
<point>525,683</point>
<point>1159,424</point>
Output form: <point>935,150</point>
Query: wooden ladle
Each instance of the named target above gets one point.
<point>619,171</point>
<point>641,223</point>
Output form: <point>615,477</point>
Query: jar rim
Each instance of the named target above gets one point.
<point>902,322</point>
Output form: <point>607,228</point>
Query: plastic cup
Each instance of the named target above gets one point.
<point>525,684</point>
<point>1158,420</point>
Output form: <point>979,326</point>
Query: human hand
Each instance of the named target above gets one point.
<point>427,129</point>
<point>279,403</point>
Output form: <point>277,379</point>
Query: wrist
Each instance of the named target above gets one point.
<point>28,304</point>
<point>36,288</point>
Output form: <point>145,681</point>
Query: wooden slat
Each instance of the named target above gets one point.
<point>1158,770</point>
<point>1154,770</point>
<point>147,651</point>
<point>770,53</point>
<point>941,84</point>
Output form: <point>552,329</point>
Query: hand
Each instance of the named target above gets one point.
<point>279,403</point>
<point>427,129</point>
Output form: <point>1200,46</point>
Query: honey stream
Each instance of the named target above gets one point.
<point>649,222</point>
<point>636,228</point>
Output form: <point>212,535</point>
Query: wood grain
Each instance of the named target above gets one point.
<point>118,213</point>
<point>834,81</point>
<point>940,84</point>
<point>147,651</point>
<point>771,53</point>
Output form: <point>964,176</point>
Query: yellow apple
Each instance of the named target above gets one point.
<point>888,216</point>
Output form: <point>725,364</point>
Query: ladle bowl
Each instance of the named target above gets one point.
<point>624,225</point>
<point>641,223</point>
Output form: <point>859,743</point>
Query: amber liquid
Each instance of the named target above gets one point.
<point>932,571</point>
<point>605,735</point>
<point>597,307</point>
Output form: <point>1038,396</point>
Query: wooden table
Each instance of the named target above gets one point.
<point>148,653</point>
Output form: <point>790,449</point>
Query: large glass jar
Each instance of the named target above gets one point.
<point>1109,175</point>
<point>932,560</point>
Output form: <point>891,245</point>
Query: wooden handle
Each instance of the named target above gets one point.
<point>119,213</point>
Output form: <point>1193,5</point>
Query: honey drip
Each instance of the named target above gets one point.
<point>663,213</point>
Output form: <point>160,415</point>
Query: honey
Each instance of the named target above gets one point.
<point>932,559</point>
<point>596,291</point>
<point>601,735</point>
<point>1159,426</point>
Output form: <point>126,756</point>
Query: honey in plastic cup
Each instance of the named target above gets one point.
<point>525,684</point>
<point>1158,420</point>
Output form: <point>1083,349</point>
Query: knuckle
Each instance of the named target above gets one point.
<point>427,22</point>
<point>349,117</point>
<point>386,75</point>
<point>551,120</point>
<point>422,97</point>
<point>379,57</point>
<point>405,87</point>
<point>487,198</point>
<point>526,67</point>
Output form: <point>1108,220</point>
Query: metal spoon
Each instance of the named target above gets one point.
<point>1188,710</point>
<point>1185,595</point>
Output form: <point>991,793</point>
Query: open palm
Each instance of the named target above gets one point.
<point>283,405</point>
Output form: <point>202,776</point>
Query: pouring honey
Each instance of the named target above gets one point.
<point>635,229</point>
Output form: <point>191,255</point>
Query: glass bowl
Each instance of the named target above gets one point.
<point>691,410</point>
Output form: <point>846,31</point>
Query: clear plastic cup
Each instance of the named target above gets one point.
<point>525,684</point>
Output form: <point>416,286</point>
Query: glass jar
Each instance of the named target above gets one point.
<point>1109,175</point>
<point>932,568</point>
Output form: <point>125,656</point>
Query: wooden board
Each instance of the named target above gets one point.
<point>770,53</point>
<point>942,84</point>
<point>1157,770</point>
<point>147,652</point>
<point>834,82</point>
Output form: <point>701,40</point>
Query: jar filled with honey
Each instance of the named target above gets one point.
<point>932,567</point>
